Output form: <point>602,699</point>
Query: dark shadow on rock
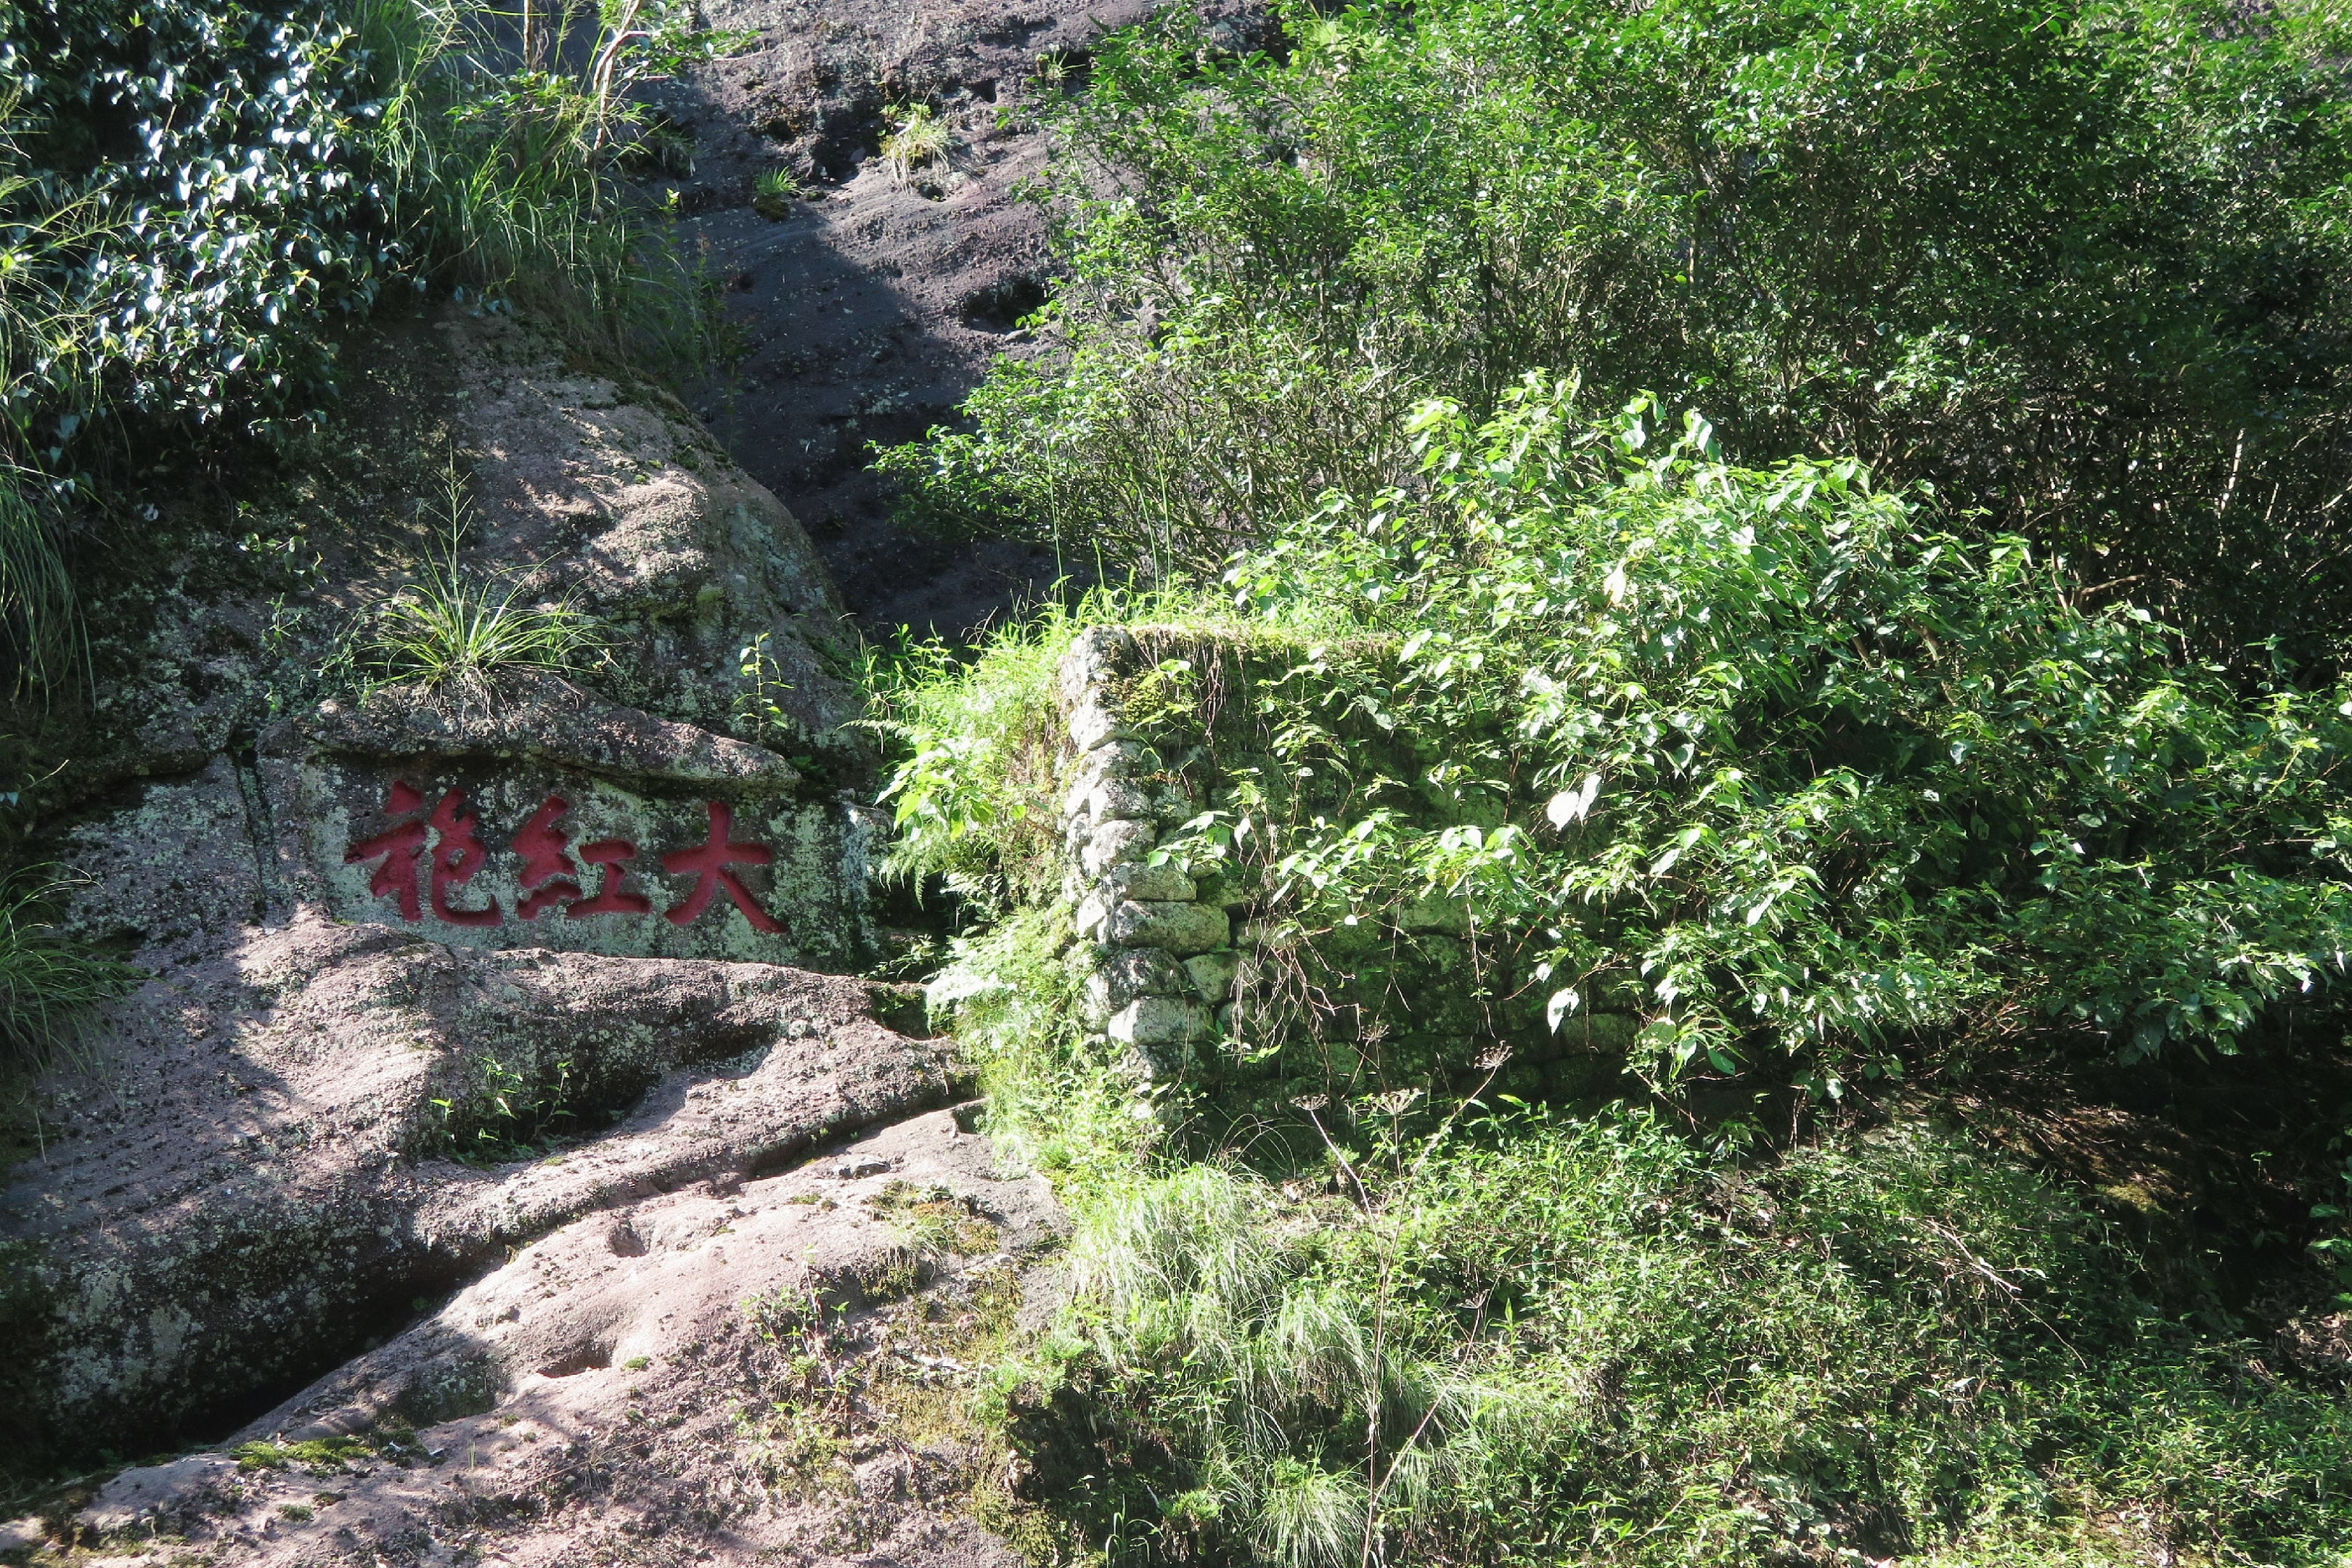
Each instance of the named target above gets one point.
<point>867,313</point>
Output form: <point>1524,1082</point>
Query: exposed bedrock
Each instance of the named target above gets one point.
<point>610,1393</point>
<point>256,1172</point>
<point>435,972</point>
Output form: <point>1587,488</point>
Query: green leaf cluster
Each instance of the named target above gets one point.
<point>2080,266</point>
<point>195,198</point>
<point>1775,753</point>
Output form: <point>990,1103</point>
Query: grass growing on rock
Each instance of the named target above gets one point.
<point>46,982</point>
<point>459,628</point>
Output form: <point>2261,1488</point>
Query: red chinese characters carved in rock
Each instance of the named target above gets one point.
<point>415,878</point>
<point>547,868</point>
<point>455,857</point>
<point>709,865</point>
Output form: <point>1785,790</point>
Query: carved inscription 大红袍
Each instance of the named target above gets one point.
<point>427,857</point>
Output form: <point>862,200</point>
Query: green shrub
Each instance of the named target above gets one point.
<point>2082,268</point>
<point>1765,752</point>
<point>1054,1101</point>
<point>193,198</point>
<point>1812,771</point>
<point>1594,1343</point>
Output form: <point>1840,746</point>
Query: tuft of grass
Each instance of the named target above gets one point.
<point>319,1456</point>
<point>979,742</point>
<point>917,136</point>
<point>933,1219</point>
<point>43,329</point>
<point>774,192</point>
<point>40,628</point>
<point>1596,1342</point>
<point>457,626</point>
<point>511,184</point>
<point>45,979</point>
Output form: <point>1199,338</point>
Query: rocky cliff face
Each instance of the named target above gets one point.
<point>436,974</point>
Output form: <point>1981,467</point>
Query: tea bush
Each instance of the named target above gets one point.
<point>1771,752</point>
<point>2081,267</point>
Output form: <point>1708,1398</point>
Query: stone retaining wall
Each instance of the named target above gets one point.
<point>1198,980</point>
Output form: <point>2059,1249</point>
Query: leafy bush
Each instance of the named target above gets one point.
<point>1813,771</point>
<point>1766,751</point>
<point>1055,1100</point>
<point>214,147</point>
<point>2082,268</point>
<point>190,197</point>
<point>1594,1343</point>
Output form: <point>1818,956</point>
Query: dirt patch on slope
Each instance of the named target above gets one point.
<point>869,310</point>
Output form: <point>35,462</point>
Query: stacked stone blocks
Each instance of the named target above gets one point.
<point>1168,958</point>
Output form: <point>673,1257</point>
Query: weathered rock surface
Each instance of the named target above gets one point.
<point>256,1169</point>
<point>572,486</point>
<point>624,502</point>
<point>541,816</point>
<point>869,312</point>
<point>735,1374</point>
<point>442,993</point>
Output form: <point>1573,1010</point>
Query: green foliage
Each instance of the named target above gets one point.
<point>774,192</point>
<point>2083,266</point>
<point>508,1116</point>
<point>318,1456</point>
<point>508,181</point>
<point>1054,1101</point>
<point>459,628</point>
<point>1801,768</point>
<point>759,713</point>
<point>38,624</point>
<point>975,796</point>
<point>45,980</point>
<point>1594,1343</point>
<point>917,136</point>
<point>182,199</point>
<point>193,199</point>
<point>1765,752</point>
<point>970,800</point>
<point>934,1220</point>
